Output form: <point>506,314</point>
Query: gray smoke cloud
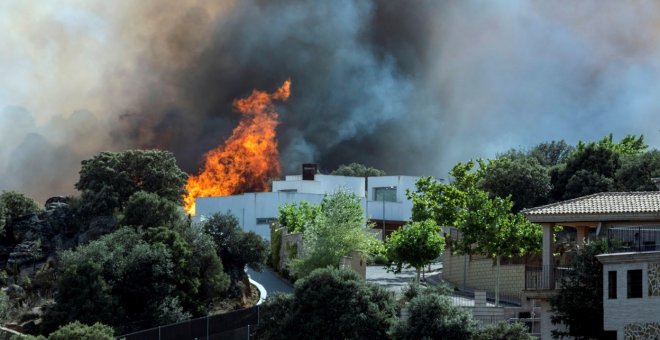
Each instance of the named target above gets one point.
<point>411,87</point>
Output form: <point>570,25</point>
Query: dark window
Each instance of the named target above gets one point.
<point>634,283</point>
<point>385,194</point>
<point>611,284</point>
<point>267,220</point>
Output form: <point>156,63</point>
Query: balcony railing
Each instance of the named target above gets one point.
<point>544,277</point>
<point>633,239</point>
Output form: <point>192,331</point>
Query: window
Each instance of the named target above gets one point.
<point>611,284</point>
<point>634,284</point>
<point>267,220</point>
<point>385,194</point>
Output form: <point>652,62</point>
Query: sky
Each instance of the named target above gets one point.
<point>411,87</point>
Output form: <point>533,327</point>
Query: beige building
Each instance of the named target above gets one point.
<point>626,218</point>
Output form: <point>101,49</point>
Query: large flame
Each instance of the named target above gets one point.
<point>249,158</point>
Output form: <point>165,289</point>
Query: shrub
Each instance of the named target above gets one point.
<point>503,331</point>
<point>434,317</point>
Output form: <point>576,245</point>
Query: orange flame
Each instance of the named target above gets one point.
<point>249,158</point>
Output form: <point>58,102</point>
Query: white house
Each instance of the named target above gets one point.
<point>383,199</point>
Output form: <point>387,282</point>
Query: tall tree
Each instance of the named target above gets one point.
<point>551,153</point>
<point>235,247</point>
<point>579,302</point>
<point>523,178</point>
<point>148,210</point>
<point>487,225</point>
<point>416,245</point>
<point>339,229</point>
<point>121,174</point>
<point>16,205</point>
<point>636,172</point>
<point>357,170</point>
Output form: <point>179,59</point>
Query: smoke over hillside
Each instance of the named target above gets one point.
<point>411,87</point>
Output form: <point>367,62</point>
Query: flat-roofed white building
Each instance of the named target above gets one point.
<point>383,199</point>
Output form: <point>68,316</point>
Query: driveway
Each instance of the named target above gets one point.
<point>397,282</point>
<point>272,282</point>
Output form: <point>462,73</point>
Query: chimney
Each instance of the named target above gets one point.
<point>309,170</point>
<point>656,181</point>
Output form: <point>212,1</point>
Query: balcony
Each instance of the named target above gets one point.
<point>633,239</point>
<point>544,277</point>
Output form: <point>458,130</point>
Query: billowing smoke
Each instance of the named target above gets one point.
<point>409,86</point>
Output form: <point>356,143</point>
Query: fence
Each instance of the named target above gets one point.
<point>633,239</point>
<point>544,277</point>
<point>236,325</point>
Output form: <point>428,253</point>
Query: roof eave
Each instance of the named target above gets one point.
<point>557,218</point>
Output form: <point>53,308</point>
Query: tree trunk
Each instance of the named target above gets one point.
<point>417,279</point>
<point>497,285</point>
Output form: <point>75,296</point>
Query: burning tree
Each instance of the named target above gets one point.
<point>249,158</point>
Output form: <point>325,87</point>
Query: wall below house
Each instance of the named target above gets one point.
<point>481,274</point>
<point>634,315</point>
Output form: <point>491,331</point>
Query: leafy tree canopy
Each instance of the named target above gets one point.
<point>149,210</point>
<point>629,145</point>
<point>524,179</point>
<point>551,153</point>
<point>636,172</point>
<point>235,247</point>
<point>357,170</point>
<point>351,309</point>
<point>579,302</point>
<point>118,175</point>
<point>338,230</point>
<point>15,205</point>
<point>76,330</point>
<point>295,217</point>
<point>417,245</point>
<point>432,316</point>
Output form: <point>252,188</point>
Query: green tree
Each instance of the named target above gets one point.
<point>357,170</point>
<point>148,210</point>
<point>579,302</point>
<point>357,309</point>
<point>417,245</point>
<point>551,153</point>
<point>338,230</point>
<point>235,247</point>
<point>432,316</point>
<point>629,145</point>
<point>121,174</point>
<point>503,330</point>
<point>486,224</point>
<point>636,172</point>
<point>590,169</point>
<point>524,179</point>
<point>120,280</point>
<point>295,217</point>
<point>16,205</point>
<point>77,330</point>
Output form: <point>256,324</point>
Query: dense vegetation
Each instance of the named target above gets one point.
<point>123,253</point>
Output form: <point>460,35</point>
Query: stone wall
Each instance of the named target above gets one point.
<point>291,247</point>
<point>638,331</point>
<point>654,279</point>
<point>481,274</point>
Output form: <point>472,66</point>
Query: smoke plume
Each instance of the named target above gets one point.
<point>411,87</point>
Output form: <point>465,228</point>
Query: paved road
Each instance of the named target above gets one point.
<point>397,282</point>
<point>271,281</point>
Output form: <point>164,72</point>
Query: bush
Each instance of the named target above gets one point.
<point>75,330</point>
<point>434,317</point>
<point>503,331</point>
<point>330,304</point>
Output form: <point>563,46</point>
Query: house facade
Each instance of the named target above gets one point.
<point>383,199</point>
<point>623,217</point>
<point>631,289</point>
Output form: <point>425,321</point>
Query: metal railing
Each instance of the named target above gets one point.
<point>633,239</point>
<point>235,325</point>
<point>544,277</point>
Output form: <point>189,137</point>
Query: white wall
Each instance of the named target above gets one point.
<point>322,184</point>
<point>621,311</point>
<point>401,210</point>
